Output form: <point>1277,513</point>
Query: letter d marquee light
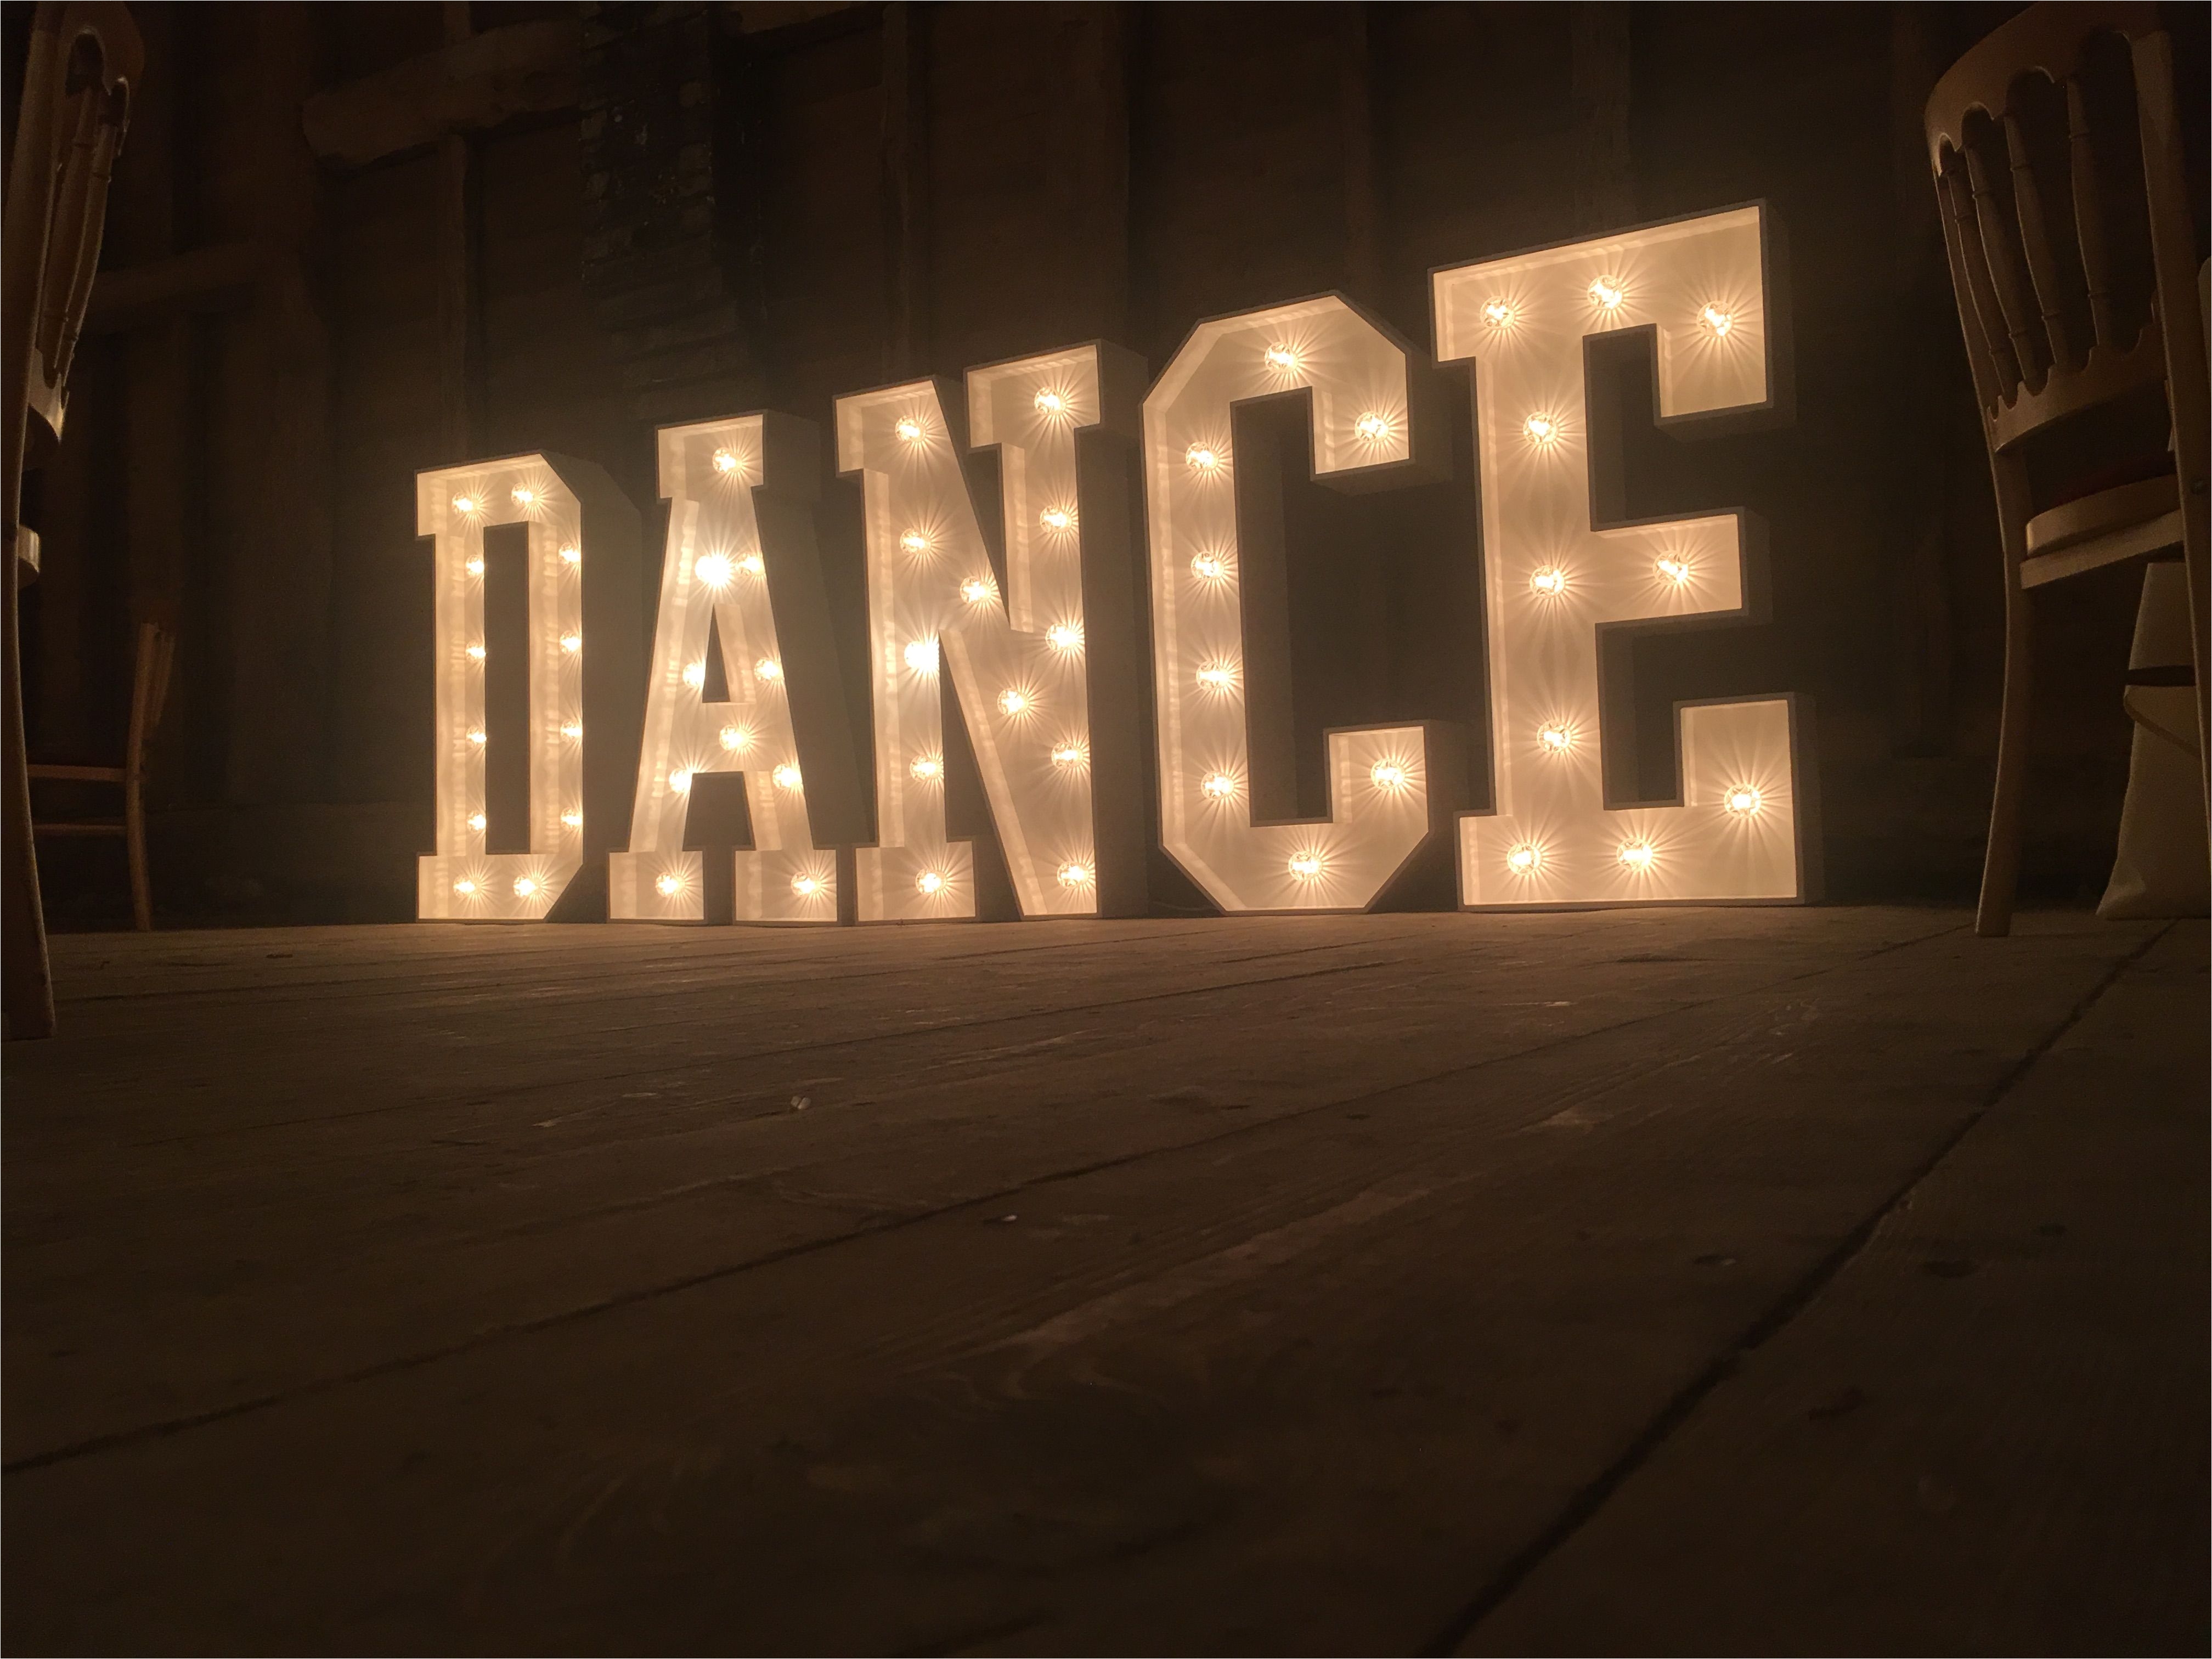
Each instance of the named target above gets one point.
<point>1557,573</point>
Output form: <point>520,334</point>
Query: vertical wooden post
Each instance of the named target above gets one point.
<point>905,171</point>
<point>1363,218</point>
<point>1091,171</point>
<point>458,415</point>
<point>1600,90</point>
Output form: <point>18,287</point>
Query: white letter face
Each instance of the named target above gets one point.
<point>1379,777</point>
<point>1551,580</point>
<point>1017,659</point>
<point>714,583</point>
<point>461,881</point>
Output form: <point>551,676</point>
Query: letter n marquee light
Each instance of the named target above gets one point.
<point>1705,291</point>
<point>1044,669</point>
<point>740,528</point>
<point>1222,697</point>
<point>580,636</point>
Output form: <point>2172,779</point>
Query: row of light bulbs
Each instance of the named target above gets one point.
<point>1608,294</point>
<point>1551,581</point>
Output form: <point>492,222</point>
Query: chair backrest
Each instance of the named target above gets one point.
<point>150,689</point>
<point>2034,140</point>
<point>83,61</point>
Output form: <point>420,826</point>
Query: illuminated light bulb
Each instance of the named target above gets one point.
<point>1717,320</point>
<point>929,881</point>
<point>1388,775</point>
<point>975,592</point>
<point>694,674</point>
<point>1013,703</point>
<point>572,555</point>
<point>680,781</point>
<point>1050,403</point>
<point>1201,458</point>
<point>1675,570</point>
<point>476,654</point>
<point>922,656</point>
<point>467,504</point>
<point>668,886</point>
<point>572,728</point>
<point>1540,429</point>
<point>572,643</point>
<point>806,886</point>
<point>915,542</point>
<point>524,886</point>
<point>1055,518</point>
<point>909,428</point>
<point>1607,293</point>
<point>1557,738</point>
<point>1525,859</point>
<point>1064,636</point>
<point>1220,785</point>
<point>1305,865</point>
<point>724,461</point>
<point>1068,754</point>
<point>1497,314</point>
<point>477,821</point>
<point>525,499</point>
<point>1635,855</point>
<point>573,818</point>
<point>752,565</point>
<point>927,768</point>
<point>1073,874</point>
<point>1218,679</point>
<point>1282,357</point>
<point>466,888</point>
<point>1208,568</point>
<point>715,570</point>
<point>735,737</point>
<point>785,777</point>
<point>474,567</point>
<point>767,668</point>
<point>1744,800</point>
<point>478,736</point>
<point>1373,428</point>
<point>1550,582</point>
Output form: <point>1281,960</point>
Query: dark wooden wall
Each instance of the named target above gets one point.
<point>737,206</point>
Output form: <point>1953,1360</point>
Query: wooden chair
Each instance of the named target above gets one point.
<point>2075,301</point>
<point>82,65</point>
<point>150,687</point>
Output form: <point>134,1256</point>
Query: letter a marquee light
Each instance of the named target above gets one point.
<point>1390,788</point>
<point>1554,578</point>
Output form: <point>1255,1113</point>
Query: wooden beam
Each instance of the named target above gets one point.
<point>467,86</point>
<point>205,279</point>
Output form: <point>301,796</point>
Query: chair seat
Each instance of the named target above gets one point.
<point>2129,522</point>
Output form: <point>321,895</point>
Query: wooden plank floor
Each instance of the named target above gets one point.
<point>1727,1280</point>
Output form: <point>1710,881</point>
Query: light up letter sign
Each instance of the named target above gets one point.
<point>1561,566</point>
<point>740,529</point>
<point>1037,660</point>
<point>579,636</point>
<point>1219,616</point>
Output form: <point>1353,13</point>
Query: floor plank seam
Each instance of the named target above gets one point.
<point>96,1444</point>
<point>1585,1503</point>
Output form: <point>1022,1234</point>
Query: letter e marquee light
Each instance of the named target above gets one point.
<point>1556,574</point>
<point>1220,697</point>
<point>580,636</point>
<point>740,526</point>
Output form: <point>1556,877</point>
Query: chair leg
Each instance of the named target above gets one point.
<point>26,988</point>
<point>134,841</point>
<point>2001,865</point>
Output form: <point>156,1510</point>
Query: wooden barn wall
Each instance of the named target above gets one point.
<point>768,205</point>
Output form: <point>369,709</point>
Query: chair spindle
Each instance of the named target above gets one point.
<point>2089,217</point>
<point>2035,242</point>
<point>2004,269</point>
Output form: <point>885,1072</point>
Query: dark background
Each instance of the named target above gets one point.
<point>730,207</point>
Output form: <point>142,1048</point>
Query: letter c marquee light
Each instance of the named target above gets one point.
<point>1556,574</point>
<point>582,539</point>
<point>1222,696</point>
